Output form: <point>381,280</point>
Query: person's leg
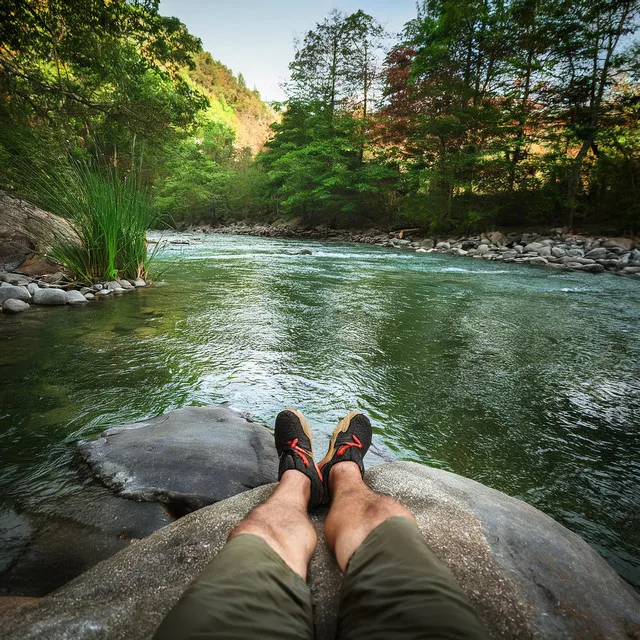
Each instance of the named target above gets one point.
<point>283,523</point>
<point>255,587</point>
<point>355,511</point>
<point>394,585</point>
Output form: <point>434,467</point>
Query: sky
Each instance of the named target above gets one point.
<point>256,38</point>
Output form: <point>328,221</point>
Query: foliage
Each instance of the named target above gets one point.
<point>110,212</point>
<point>100,67</point>
<point>320,164</point>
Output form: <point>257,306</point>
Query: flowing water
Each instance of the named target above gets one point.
<point>525,379</point>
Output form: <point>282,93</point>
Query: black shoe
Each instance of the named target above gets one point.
<point>351,440</point>
<point>294,447</point>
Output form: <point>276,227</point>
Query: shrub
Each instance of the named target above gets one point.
<point>110,212</point>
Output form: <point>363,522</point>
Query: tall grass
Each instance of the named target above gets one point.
<point>110,212</point>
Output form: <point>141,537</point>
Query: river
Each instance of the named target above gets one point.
<point>523,379</point>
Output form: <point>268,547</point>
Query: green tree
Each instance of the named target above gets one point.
<point>100,73</point>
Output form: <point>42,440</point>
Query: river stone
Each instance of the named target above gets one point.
<point>597,253</point>
<point>443,246</point>
<point>125,284</point>
<point>50,297</point>
<point>187,458</point>
<point>526,575</point>
<point>138,282</point>
<point>621,243</point>
<point>15,279</point>
<point>533,247</point>
<point>10,291</point>
<point>593,268</point>
<point>89,295</point>
<point>14,306</point>
<point>538,261</point>
<point>32,287</point>
<point>558,252</point>
<point>75,297</point>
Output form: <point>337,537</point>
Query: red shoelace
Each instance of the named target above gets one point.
<point>356,443</point>
<point>304,455</point>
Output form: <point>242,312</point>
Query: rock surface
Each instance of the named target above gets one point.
<point>187,458</point>
<point>25,229</point>
<point>526,574</point>
<point>51,543</point>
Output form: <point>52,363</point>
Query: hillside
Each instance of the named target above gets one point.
<point>232,102</point>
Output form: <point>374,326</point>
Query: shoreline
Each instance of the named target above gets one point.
<point>556,249</point>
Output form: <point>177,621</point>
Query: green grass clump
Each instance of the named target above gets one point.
<point>110,213</point>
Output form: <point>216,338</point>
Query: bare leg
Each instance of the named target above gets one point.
<point>282,522</point>
<point>355,511</point>
<point>248,576</point>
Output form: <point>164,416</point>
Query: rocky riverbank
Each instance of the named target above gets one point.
<point>556,249</point>
<point>18,292</point>
<point>26,277</point>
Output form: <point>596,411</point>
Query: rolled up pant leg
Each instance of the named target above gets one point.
<point>395,587</point>
<point>247,591</point>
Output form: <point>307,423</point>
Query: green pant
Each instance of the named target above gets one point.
<point>394,587</point>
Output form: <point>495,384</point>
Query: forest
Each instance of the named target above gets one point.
<point>480,114</point>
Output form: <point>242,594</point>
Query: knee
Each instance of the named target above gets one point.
<point>387,507</point>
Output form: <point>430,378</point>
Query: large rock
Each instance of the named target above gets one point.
<point>187,458</point>
<point>25,230</point>
<point>50,297</point>
<point>526,574</point>
<point>60,539</point>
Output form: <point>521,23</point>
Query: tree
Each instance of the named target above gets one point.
<point>87,67</point>
<point>589,55</point>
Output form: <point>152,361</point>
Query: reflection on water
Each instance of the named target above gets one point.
<point>524,379</point>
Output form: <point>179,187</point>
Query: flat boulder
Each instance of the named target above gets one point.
<point>526,575</point>
<point>186,459</point>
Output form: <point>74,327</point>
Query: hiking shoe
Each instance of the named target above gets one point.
<point>350,441</point>
<point>294,446</point>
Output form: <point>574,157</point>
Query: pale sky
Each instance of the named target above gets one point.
<point>256,38</point>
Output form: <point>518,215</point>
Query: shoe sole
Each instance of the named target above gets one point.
<point>305,426</point>
<point>342,426</point>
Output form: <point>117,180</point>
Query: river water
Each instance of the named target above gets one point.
<point>525,379</point>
